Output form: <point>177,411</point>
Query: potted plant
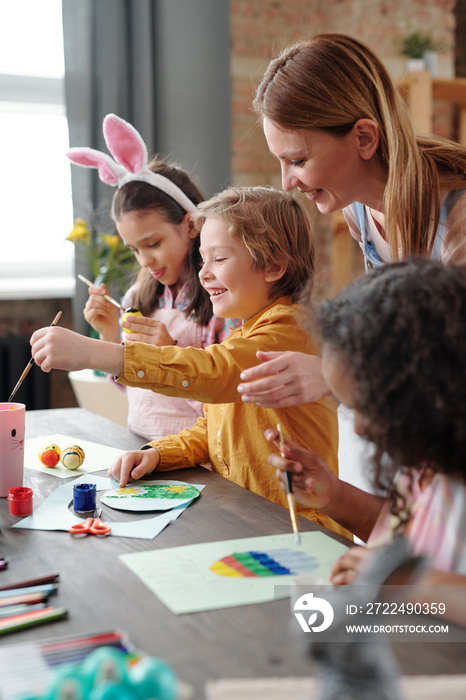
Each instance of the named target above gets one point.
<point>420,48</point>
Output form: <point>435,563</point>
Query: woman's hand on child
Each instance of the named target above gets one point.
<point>147,330</point>
<point>134,465</point>
<point>314,483</point>
<point>349,565</point>
<point>283,379</point>
<point>102,315</point>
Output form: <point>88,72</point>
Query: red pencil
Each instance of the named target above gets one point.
<point>23,598</point>
<point>51,578</point>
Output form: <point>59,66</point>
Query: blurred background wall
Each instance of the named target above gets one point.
<point>208,57</point>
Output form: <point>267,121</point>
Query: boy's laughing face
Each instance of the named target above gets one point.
<point>236,289</point>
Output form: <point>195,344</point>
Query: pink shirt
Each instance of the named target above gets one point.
<point>152,415</point>
<point>437,524</point>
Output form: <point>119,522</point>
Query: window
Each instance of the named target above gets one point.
<point>35,180</point>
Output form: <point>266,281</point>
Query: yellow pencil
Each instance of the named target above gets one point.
<point>289,492</point>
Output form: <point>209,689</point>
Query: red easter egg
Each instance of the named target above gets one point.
<point>50,455</point>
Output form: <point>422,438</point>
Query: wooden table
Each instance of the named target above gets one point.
<point>101,593</point>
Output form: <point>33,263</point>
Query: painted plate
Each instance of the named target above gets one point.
<point>155,495</point>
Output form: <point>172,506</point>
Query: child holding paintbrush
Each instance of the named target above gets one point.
<point>151,208</point>
<point>258,265</point>
<point>410,402</point>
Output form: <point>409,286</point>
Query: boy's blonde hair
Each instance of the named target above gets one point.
<point>276,230</point>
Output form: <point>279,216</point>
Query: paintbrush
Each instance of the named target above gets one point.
<point>106,296</point>
<point>289,492</point>
<point>30,363</point>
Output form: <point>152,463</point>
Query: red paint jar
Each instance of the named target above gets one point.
<point>20,501</point>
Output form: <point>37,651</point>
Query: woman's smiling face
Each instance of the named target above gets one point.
<point>328,169</point>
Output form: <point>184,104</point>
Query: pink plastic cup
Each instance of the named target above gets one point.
<point>12,420</point>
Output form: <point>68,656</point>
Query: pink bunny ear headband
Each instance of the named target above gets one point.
<point>130,153</point>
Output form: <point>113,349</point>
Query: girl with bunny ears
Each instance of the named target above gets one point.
<point>151,209</point>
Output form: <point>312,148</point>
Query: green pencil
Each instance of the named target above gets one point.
<point>19,622</point>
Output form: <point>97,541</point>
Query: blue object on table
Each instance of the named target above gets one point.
<point>84,498</point>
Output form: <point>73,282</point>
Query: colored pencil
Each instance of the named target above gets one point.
<point>289,492</point>
<point>74,649</point>
<point>11,610</point>
<point>47,588</point>
<point>30,363</point>
<point>31,619</point>
<point>19,598</point>
<point>31,582</point>
<point>106,296</point>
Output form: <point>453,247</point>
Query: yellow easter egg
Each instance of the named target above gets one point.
<point>72,457</point>
<point>130,312</point>
<point>50,455</point>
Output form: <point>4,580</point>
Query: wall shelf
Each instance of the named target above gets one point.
<point>420,90</point>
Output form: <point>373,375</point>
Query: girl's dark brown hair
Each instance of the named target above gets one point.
<point>400,334</point>
<point>136,196</point>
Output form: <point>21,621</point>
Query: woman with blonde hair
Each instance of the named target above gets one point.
<point>343,135</point>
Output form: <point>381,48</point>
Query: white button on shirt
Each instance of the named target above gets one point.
<point>140,373</point>
<point>184,382</point>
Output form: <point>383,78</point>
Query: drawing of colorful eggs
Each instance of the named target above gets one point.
<point>50,455</point>
<point>72,457</point>
<point>127,314</point>
<point>275,562</point>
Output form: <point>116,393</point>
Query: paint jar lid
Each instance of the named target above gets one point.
<point>20,501</point>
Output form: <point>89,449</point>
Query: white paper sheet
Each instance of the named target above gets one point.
<point>97,457</point>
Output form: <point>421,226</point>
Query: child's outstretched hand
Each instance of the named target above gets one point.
<point>102,315</point>
<point>59,348</point>
<point>134,465</point>
<point>314,484</point>
<point>146,330</point>
<point>349,565</point>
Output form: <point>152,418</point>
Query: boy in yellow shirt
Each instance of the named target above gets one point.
<point>258,265</point>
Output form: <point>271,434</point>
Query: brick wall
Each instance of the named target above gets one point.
<point>260,28</point>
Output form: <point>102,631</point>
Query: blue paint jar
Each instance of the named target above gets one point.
<point>84,498</point>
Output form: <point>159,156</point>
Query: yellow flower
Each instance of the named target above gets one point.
<point>79,232</point>
<point>132,491</point>
<point>176,489</point>
<point>111,239</point>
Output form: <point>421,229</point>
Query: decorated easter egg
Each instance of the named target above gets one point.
<point>50,455</point>
<point>72,457</point>
<point>125,317</point>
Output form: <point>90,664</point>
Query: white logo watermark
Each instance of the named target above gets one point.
<point>310,603</point>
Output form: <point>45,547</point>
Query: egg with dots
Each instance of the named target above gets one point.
<point>127,314</point>
<point>50,455</point>
<point>72,457</point>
